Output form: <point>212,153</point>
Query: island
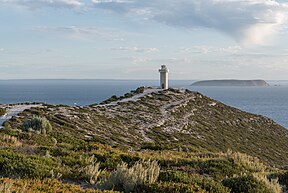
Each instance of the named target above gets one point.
<point>230,82</point>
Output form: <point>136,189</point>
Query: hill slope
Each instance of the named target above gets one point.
<point>171,119</point>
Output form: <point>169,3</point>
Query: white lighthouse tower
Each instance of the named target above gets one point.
<point>164,77</point>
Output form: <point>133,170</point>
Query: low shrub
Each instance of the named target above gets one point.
<point>283,179</point>
<point>111,99</point>
<point>247,184</point>
<point>2,111</point>
<point>193,180</point>
<point>46,185</point>
<point>167,187</point>
<point>271,184</point>
<point>109,160</point>
<point>37,124</point>
<point>139,90</point>
<point>133,178</point>
<point>151,146</point>
<point>18,165</point>
<point>221,168</point>
<point>127,95</point>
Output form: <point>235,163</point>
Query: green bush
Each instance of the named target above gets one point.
<point>2,111</point>
<point>151,146</point>
<point>44,140</point>
<point>167,187</point>
<point>127,95</point>
<point>111,99</point>
<point>109,160</point>
<point>17,165</point>
<point>139,90</point>
<point>247,184</point>
<point>283,179</point>
<point>45,185</point>
<point>37,124</point>
<point>193,180</point>
<point>221,168</point>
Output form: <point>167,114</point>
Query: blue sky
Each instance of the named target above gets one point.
<point>130,39</point>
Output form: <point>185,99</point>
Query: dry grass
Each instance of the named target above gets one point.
<point>250,163</point>
<point>130,179</point>
<point>9,140</point>
<point>272,184</point>
<point>92,170</point>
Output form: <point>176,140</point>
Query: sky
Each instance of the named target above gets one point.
<point>131,39</point>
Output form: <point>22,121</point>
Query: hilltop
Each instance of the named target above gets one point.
<point>231,83</point>
<point>173,119</point>
<point>197,142</point>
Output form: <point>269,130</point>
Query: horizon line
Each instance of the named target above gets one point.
<point>114,79</point>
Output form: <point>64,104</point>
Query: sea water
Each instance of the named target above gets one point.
<point>268,101</point>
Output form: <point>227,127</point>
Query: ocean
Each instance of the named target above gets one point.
<point>268,101</point>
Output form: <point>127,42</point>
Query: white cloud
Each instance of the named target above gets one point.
<point>145,60</point>
<point>135,49</point>
<point>112,1</point>
<point>204,49</point>
<point>247,21</point>
<point>35,4</point>
<point>86,32</point>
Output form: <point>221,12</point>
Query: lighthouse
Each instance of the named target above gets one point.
<point>164,77</point>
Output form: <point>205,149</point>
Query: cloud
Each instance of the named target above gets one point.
<point>86,32</point>
<point>249,22</point>
<point>136,49</point>
<point>36,4</point>
<point>204,49</point>
<point>145,60</point>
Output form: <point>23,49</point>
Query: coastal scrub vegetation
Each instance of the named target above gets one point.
<point>134,147</point>
<point>2,111</point>
<point>37,124</point>
<point>134,178</point>
<point>99,167</point>
<point>127,95</point>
